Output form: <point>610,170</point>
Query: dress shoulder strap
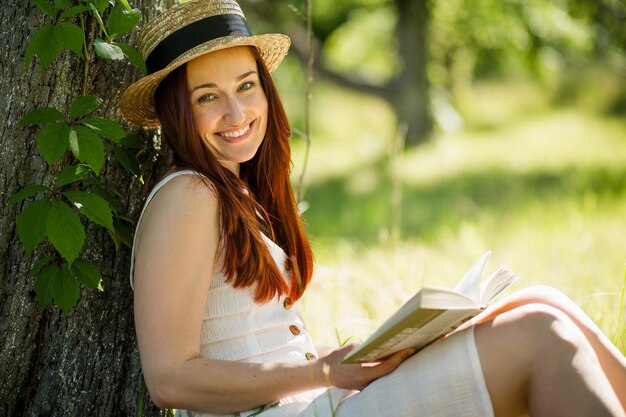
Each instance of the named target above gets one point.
<point>155,190</point>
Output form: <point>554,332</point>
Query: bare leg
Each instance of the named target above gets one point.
<point>612,361</point>
<point>536,361</point>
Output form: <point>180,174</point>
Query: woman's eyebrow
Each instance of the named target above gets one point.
<point>244,75</point>
<point>213,85</point>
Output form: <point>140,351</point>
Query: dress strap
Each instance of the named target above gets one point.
<point>155,190</point>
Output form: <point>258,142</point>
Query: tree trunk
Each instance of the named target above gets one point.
<point>408,93</point>
<point>85,363</point>
<point>410,97</point>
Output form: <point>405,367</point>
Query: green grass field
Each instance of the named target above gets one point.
<point>544,188</point>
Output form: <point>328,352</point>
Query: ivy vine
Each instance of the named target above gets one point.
<point>75,143</point>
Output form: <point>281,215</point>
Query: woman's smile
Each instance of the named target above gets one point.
<point>236,135</point>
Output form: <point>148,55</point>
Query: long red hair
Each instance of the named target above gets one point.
<point>268,207</point>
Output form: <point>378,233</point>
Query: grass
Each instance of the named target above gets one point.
<point>543,188</point>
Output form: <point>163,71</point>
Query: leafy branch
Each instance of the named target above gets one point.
<point>75,143</point>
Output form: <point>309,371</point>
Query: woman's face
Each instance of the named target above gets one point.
<point>228,104</point>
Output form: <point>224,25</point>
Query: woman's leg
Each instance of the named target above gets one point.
<point>536,361</point>
<point>612,361</point>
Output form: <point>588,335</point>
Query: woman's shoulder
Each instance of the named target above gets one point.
<point>181,193</point>
<point>180,214</point>
<point>184,185</point>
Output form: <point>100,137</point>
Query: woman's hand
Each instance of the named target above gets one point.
<point>358,376</point>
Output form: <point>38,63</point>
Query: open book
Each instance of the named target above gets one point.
<point>434,312</point>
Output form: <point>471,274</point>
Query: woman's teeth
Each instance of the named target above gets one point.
<point>236,134</point>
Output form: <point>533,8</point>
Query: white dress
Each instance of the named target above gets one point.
<point>445,379</point>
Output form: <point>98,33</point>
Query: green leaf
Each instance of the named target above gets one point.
<point>45,45</point>
<point>84,105</point>
<point>40,264</point>
<point>94,207</point>
<point>70,36</point>
<point>62,4</point>
<point>101,5</point>
<point>124,234</point>
<point>122,21</point>
<point>107,50</point>
<point>108,146</point>
<point>133,56</point>
<point>71,174</point>
<point>73,11</point>
<point>65,290</point>
<point>52,141</point>
<point>125,4</point>
<point>128,160</point>
<point>105,127</point>
<point>73,141</point>
<point>26,192</point>
<point>41,116</point>
<point>44,285</point>
<point>45,7</point>
<point>88,148</point>
<point>109,194</point>
<point>133,142</point>
<point>88,273</point>
<point>98,7</point>
<point>31,224</point>
<point>65,231</point>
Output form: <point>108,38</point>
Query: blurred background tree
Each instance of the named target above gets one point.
<point>420,55</point>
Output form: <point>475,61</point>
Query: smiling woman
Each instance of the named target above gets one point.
<point>230,109</point>
<point>221,261</point>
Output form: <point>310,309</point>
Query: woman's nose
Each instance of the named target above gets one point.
<point>235,113</point>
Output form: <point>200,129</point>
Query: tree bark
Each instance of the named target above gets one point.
<point>411,98</point>
<point>85,363</point>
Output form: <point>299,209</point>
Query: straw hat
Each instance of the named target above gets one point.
<point>183,33</point>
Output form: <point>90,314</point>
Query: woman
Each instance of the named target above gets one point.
<point>221,260</point>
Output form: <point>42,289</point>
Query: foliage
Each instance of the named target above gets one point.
<point>75,143</point>
<point>492,38</point>
<point>379,62</point>
<point>470,39</point>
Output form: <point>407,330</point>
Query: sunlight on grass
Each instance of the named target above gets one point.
<point>491,105</point>
<point>545,190</point>
<point>345,133</point>
<point>549,142</point>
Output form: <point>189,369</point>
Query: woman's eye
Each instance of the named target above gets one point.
<point>206,98</point>
<point>246,86</point>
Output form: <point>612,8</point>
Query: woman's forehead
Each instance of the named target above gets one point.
<point>229,62</point>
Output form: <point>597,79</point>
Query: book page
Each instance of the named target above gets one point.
<point>470,283</point>
<point>496,283</point>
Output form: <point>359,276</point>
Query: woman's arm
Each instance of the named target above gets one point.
<point>175,252</point>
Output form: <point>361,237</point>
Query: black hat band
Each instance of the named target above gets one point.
<point>194,34</point>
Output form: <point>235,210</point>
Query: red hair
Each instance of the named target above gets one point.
<point>269,207</point>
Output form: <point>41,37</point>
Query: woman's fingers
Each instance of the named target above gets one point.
<point>391,363</point>
<point>359,376</point>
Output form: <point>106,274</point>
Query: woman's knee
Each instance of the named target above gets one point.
<point>531,342</point>
<point>512,346</point>
<point>544,327</point>
<point>543,294</point>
